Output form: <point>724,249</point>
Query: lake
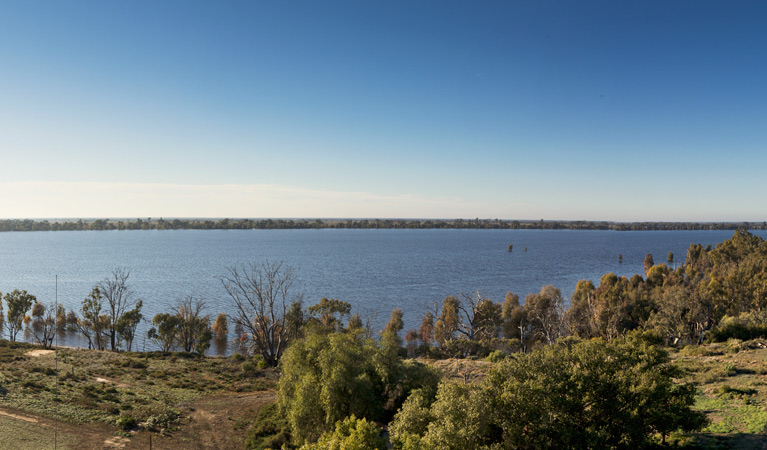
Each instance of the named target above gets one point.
<point>374,270</point>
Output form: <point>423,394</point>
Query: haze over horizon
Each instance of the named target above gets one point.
<point>622,112</point>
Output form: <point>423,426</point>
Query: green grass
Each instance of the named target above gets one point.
<point>153,389</point>
<point>732,391</point>
<point>31,436</point>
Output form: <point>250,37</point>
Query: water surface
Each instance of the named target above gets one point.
<point>374,270</point>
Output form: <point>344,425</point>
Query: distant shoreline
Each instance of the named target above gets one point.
<point>288,224</point>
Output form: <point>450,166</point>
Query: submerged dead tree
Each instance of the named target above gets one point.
<point>261,294</point>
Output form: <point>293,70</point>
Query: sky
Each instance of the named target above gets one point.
<point>555,110</point>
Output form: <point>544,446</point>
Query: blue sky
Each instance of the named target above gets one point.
<point>516,110</point>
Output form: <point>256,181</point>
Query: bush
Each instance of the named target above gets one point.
<point>270,429</point>
<point>126,422</point>
<point>326,378</point>
<point>496,356</point>
<point>591,394</point>
<point>744,327</point>
<point>350,434</point>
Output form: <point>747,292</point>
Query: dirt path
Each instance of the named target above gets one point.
<point>36,353</point>
<point>221,422</point>
<point>18,416</point>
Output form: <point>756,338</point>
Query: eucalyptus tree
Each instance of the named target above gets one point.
<point>119,300</point>
<point>18,303</point>
<point>44,324</point>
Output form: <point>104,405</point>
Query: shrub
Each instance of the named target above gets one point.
<point>270,429</point>
<point>126,422</point>
<point>350,433</point>
<point>744,327</point>
<point>591,394</point>
<point>496,356</point>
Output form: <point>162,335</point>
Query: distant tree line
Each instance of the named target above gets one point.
<point>278,224</point>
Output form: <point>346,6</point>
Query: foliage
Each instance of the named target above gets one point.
<point>744,327</point>
<point>220,327</point>
<point>43,324</point>
<point>93,325</point>
<point>328,314</point>
<point>165,330</point>
<point>127,324</point>
<point>270,429</point>
<point>327,377</point>
<point>118,299</point>
<point>350,434</point>
<point>591,394</point>
<point>18,303</point>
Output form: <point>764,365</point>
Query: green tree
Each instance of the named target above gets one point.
<point>165,330</point>
<point>580,315</point>
<point>328,314</point>
<point>18,303</point>
<point>93,325</point>
<point>127,324</point>
<point>350,434</point>
<point>393,327</point>
<point>327,377</point>
<point>447,322</point>
<point>512,314</point>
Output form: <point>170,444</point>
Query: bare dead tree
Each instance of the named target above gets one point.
<point>261,295</point>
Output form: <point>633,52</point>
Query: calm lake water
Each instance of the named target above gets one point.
<point>374,270</point>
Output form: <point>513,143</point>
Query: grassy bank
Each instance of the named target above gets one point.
<point>181,399</point>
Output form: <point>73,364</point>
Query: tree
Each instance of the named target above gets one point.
<point>261,294</point>
<point>355,323</point>
<point>220,327</point>
<point>545,311</point>
<point>393,327</point>
<point>329,376</point>
<point>329,314</point>
<point>119,299</point>
<point>127,324</point>
<point>43,324</point>
<point>512,314</point>
<point>426,330</point>
<point>448,321</point>
<point>648,262</point>
<point>192,325</point>
<point>165,330</point>
<point>19,303</point>
<point>93,325</point>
